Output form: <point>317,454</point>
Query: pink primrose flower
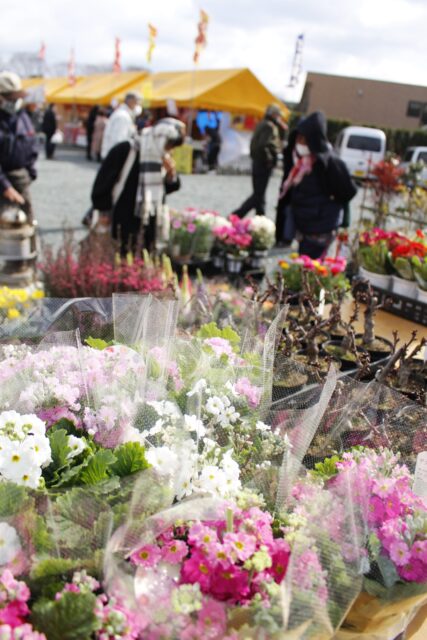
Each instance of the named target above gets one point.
<point>174,551</point>
<point>239,545</point>
<point>147,556</point>
<point>197,569</point>
<point>399,553</point>
<point>230,583</point>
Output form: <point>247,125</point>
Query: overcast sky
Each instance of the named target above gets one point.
<point>381,39</point>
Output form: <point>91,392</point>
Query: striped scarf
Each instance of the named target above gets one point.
<point>152,148</point>
<point>302,167</point>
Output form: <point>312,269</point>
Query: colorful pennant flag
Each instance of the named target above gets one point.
<point>152,34</point>
<point>42,51</point>
<point>201,40</point>
<point>72,69</point>
<point>117,67</point>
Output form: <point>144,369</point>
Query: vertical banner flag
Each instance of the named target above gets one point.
<point>152,34</point>
<point>117,67</point>
<point>72,69</point>
<point>201,41</point>
<point>42,52</point>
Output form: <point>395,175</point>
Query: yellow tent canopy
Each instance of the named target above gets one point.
<point>234,90</point>
<point>46,87</point>
<point>99,88</point>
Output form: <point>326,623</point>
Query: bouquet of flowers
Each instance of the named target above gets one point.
<point>395,582</point>
<point>327,274</point>
<point>234,237</point>
<point>262,230</point>
<point>192,232</point>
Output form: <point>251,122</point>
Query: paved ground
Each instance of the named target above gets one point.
<point>62,191</point>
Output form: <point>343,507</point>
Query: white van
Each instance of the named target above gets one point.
<point>361,148</point>
<point>413,155</point>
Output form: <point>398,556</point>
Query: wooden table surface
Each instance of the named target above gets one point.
<point>386,323</point>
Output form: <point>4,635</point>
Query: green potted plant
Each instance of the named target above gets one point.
<point>262,230</point>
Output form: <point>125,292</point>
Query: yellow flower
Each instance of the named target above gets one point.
<point>316,263</point>
<point>38,294</point>
<point>12,314</point>
<point>294,255</point>
<point>284,265</point>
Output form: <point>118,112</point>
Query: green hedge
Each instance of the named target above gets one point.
<point>397,139</point>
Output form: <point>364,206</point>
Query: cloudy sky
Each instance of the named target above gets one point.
<point>382,39</point>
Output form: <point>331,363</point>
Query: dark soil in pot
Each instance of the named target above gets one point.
<point>347,358</point>
<point>378,349</point>
<point>288,384</point>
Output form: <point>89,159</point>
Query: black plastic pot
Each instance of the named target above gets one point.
<point>376,354</point>
<point>346,364</point>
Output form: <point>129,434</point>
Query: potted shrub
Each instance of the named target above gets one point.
<point>377,346</point>
<point>263,231</point>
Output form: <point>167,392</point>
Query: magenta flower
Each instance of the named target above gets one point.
<point>176,223</point>
<point>230,583</point>
<point>197,569</point>
<point>414,571</point>
<point>212,620</point>
<point>201,535</point>
<point>280,554</point>
<point>191,227</point>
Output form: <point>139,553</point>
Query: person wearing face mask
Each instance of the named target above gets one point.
<point>18,146</point>
<point>121,125</point>
<point>129,190</point>
<point>316,189</point>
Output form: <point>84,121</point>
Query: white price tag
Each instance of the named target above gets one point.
<point>321,307</point>
<point>425,353</point>
<point>420,479</point>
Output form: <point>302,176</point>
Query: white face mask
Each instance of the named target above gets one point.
<point>11,106</point>
<point>302,150</point>
<point>137,110</point>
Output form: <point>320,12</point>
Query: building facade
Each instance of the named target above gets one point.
<point>365,102</point>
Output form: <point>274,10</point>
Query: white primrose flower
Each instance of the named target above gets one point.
<point>10,545</point>
<point>193,424</point>
<point>215,406</point>
<point>77,445</point>
<point>40,445</point>
<point>261,426</point>
<point>212,479</point>
<point>163,460</point>
<point>18,463</point>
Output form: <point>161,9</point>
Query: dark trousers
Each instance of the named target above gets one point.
<point>256,201</point>
<point>49,148</point>
<point>309,246</point>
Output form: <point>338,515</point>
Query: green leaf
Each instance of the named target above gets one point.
<point>130,459</point>
<point>71,617</point>
<point>59,449</point>
<point>97,343</point>
<point>52,568</point>
<point>326,469</point>
<point>41,537</point>
<point>98,467</point>
<point>12,498</point>
<point>212,330</point>
<point>66,425</point>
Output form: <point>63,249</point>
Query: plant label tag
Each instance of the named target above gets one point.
<point>425,353</point>
<point>321,307</point>
<point>420,479</point>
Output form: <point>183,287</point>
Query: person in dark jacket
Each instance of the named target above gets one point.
<point>316,189</point>
<point>49,127</point>
<point>18,146</point>
<point>90,128</point>
<point>265,149</point>
<point>132,181</point>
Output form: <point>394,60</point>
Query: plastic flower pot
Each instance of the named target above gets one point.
<point>402,287</point>
<point>289,384</point>
<point>379,349</point>
<point>422,295</point>
<point>380,280</point>
<point>235,263</point>
<point>218,260</point>
<point>258,258</point>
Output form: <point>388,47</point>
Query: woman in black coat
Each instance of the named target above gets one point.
<point>316,189</point>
